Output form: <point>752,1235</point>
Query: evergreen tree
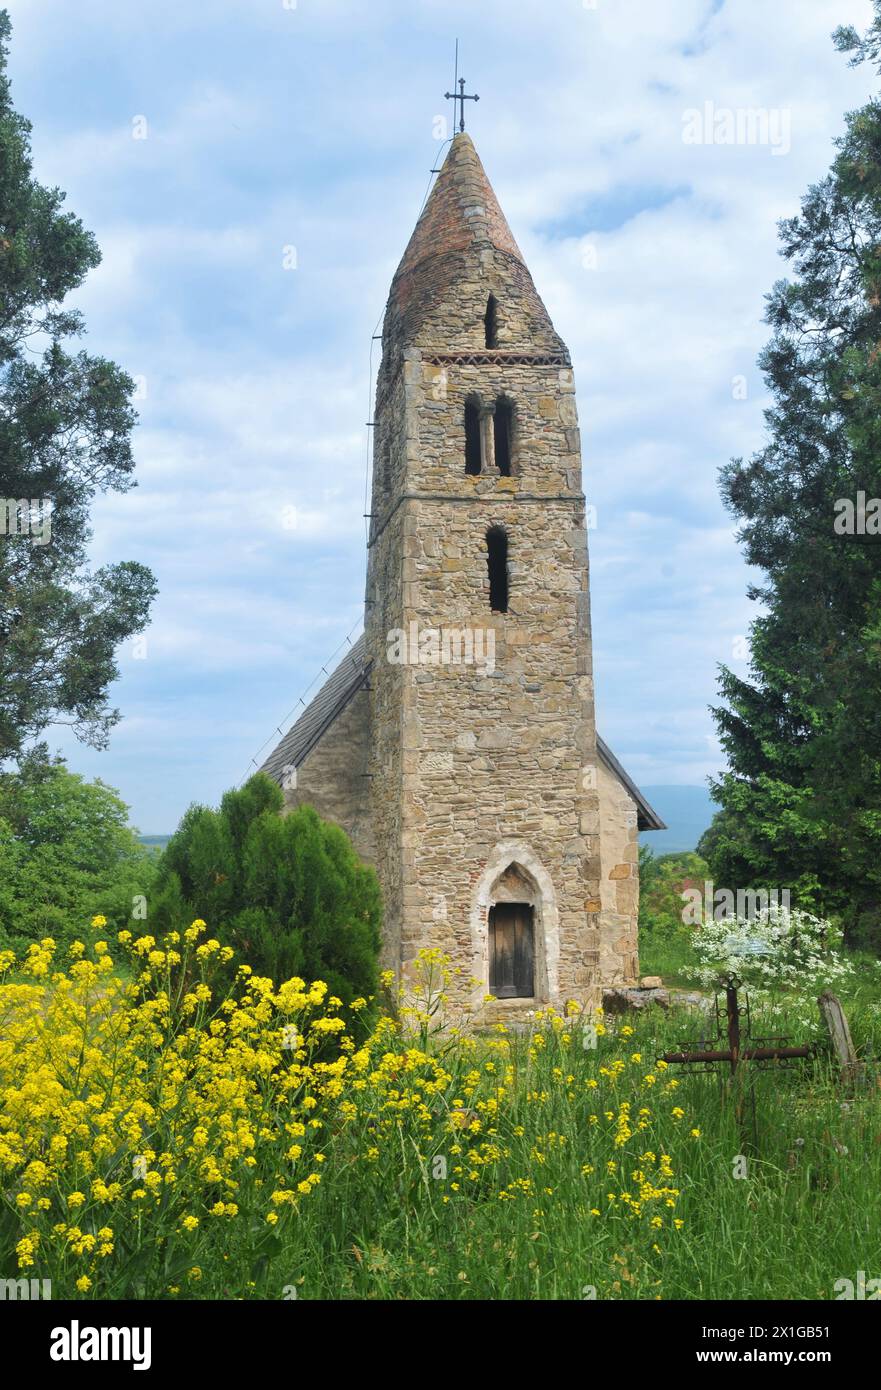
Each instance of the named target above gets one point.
<point>287,892</point>
<point>801,799</point>
<point>65,427</point>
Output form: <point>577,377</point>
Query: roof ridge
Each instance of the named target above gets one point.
<point>325,706</point>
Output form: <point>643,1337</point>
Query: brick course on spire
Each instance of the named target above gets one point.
<point>462,244</point>
<point>462,211</point>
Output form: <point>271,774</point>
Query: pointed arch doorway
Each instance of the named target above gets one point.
<point>512,951</point>
<point>515,928</point>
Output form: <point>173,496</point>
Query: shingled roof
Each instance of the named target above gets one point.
<point>646,818</point>
<point>350,676</point>
<point>319,714</point>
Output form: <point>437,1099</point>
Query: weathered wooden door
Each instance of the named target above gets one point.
<point>511,951</point>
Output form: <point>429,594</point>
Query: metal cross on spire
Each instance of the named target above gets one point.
<point>461,97</point>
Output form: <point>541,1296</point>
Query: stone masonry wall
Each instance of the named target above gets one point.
<point>491,757</point>
<point>619,885</point>
<point>384,612</point>
<point>333,777</point>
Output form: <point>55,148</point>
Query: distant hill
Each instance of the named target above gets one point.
<point>687,812</point>
<point>155,841</point>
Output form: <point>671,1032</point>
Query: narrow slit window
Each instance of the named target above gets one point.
<point>503,426</point>
<point>491,322</point>
<point>497,564</point>
<point>472,437</point>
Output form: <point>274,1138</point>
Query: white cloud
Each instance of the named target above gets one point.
<point>312,127</point>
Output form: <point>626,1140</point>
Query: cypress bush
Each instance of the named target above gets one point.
<point>288,892</point>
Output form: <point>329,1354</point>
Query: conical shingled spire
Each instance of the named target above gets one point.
<point>462,212</point>
<point>461,249</point>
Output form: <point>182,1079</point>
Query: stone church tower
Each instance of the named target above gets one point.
<point>456,742</point>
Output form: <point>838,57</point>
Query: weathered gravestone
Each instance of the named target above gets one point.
<point>839,1033</point>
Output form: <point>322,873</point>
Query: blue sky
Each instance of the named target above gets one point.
<point>313,125</point>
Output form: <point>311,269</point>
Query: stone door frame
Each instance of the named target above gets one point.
<point>518,855</point>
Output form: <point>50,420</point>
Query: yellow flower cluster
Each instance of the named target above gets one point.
<point>166,1112</point>
<point>150,1100</point>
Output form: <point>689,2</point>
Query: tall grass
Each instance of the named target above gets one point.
<point>562,1163</point>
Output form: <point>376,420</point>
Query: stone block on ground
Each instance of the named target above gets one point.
<point>632,998</point>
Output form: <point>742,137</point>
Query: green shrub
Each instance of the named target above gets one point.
<point>661,880</point>
<point>66,853</point>
<point>288,892</point>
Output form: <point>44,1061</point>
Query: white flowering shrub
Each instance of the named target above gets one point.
<point>779,950</point>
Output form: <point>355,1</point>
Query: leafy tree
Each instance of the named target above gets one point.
<point>65,427</point>
<point>287,892</point>
<point>66,854</point>
<point>661,881</point>
<point>801,799</point>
